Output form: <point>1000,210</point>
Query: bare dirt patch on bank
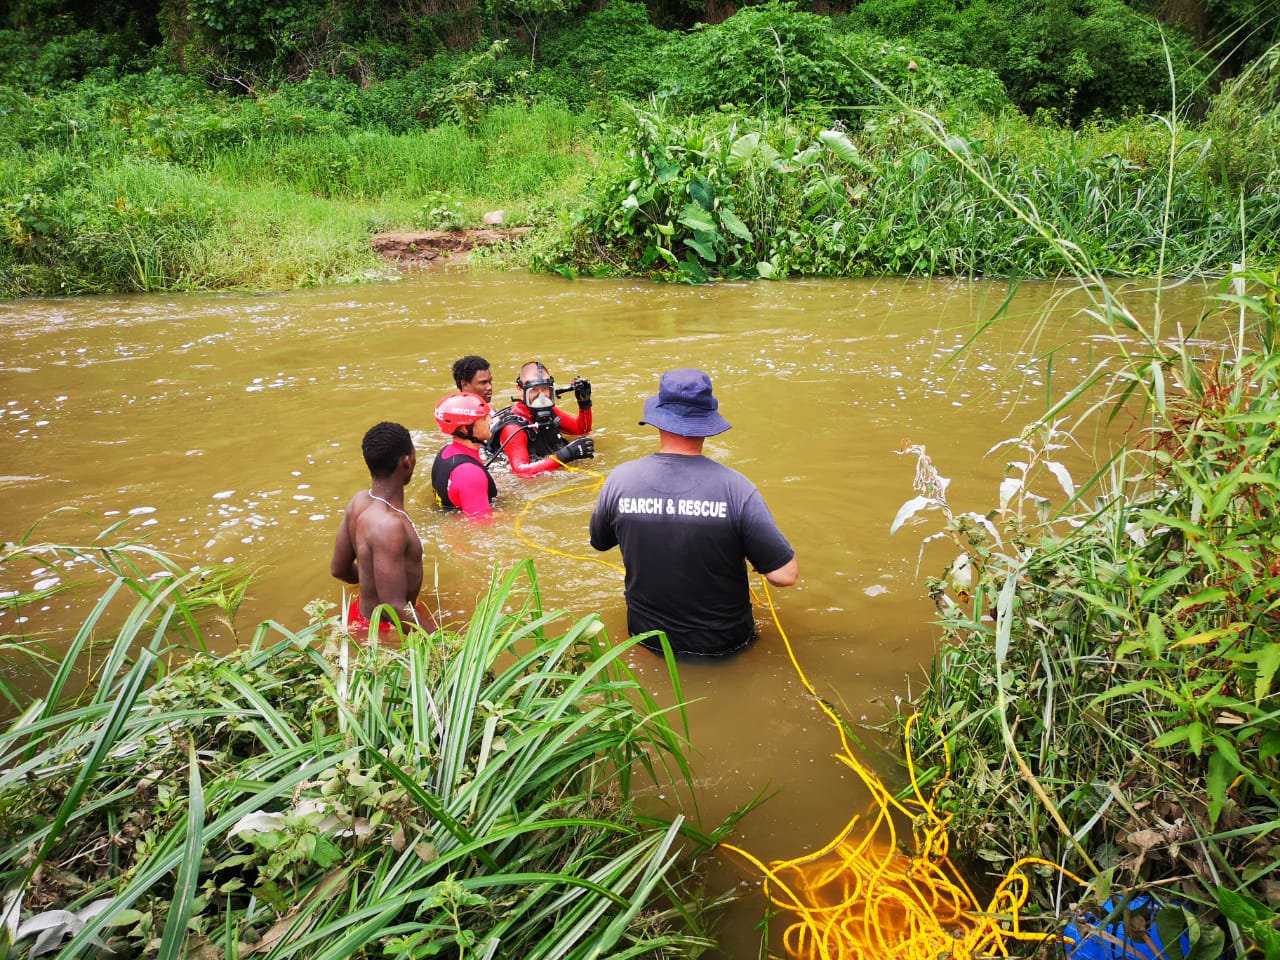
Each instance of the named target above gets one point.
<point>438,247</point>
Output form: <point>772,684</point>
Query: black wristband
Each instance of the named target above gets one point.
<point>584,404</point>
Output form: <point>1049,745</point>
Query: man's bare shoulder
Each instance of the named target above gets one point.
<point>380,525</point>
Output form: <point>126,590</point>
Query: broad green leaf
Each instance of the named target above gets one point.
<point>730,221</point>
<point>1157,519</point>
<point>1162,585</point>
<point>326,852</point>
<point>742,150</point>
<point>1172,922</point>
<point>843,148</point>
<point>1102,883</point>
<point>1210,636</point>
<point>1240,908</point>
<point>806,157</point>
<point>1197,738</point>
<point>695,218</point>
<point>1124,689</point>
<point>767,270</point>
<point>1268,663</point>
<point>1212,941</point>
<point>1216,782</point>
<point>1269,745</point>
<point>702,193</point>
<point>704,250</point>
<point>693,271</point>
<point>1102,603</point>
<point>1156,635</point>
<point>1170,737</point>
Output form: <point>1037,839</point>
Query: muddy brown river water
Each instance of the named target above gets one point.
<point>227,428</point>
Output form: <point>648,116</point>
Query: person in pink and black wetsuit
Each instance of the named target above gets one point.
<point>529,431</point>
<point>458,474</point>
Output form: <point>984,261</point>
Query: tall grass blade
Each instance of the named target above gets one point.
<point>184,892</point>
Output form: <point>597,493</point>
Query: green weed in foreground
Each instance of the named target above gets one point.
<point>1108,681</point>
<point>463,793</point>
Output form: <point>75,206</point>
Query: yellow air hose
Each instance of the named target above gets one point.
<point>860,895</point>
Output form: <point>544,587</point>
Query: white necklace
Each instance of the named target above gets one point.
<point>374,496</point>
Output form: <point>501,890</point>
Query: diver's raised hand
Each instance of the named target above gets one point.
<point>584,448</point>
<point>582,393</point>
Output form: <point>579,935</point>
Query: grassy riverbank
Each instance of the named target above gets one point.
<point>279,199</point>
<point>776,143</point>
<point>466,793</point>
<point>146,186</point>
<point>731,195</point>
<point>1107,676</point>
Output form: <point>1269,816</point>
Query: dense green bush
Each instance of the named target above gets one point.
<point>255,32</point>
<point>610,51</point>
<point>447,87</point>
<point>777,59</point>
<point>1244,123</point>
<point>1071,57</point>
<point>1241,30</point>
<point>729,195</point>
<point>901,72</point>
<point>770,57</point>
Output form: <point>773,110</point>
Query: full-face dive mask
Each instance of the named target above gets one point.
<point>538,392</point>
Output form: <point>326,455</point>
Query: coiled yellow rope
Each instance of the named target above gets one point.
<point>860,895</point>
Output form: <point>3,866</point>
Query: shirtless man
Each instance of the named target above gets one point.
<point>377,546</point>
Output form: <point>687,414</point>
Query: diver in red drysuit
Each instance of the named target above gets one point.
<point>529,431</point>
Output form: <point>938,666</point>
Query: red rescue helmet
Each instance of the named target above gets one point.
<point>459,410</point>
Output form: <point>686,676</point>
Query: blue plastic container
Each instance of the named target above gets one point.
<point>1090,946</point>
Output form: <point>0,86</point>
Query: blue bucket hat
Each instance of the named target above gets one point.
<point>684,405</point>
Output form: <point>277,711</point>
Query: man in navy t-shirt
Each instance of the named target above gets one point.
<point>687,527</point>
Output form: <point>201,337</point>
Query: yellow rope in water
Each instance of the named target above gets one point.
<point>860,896</point>
<point>864,897</point>
<point>530,542</point>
